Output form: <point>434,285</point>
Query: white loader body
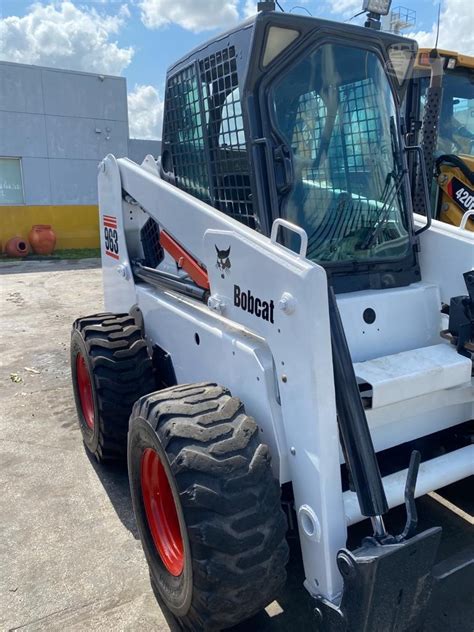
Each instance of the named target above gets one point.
<point>265,335</point>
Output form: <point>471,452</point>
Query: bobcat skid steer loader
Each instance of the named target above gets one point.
<point>276,318</point>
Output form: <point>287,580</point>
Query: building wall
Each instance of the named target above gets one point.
<point>138,149</point>
<point>61,124</point>
<point>75,226</point>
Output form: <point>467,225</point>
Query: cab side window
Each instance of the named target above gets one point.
<point>204,143</point>
<point>183,134</point>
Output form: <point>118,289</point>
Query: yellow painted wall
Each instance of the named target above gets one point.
<point>75,226</point>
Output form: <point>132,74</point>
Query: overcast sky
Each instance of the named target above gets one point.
<point>139,39</point>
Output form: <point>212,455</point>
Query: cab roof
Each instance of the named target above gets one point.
<point>303,23</point>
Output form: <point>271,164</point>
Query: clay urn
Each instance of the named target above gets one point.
<point>42,239</point>
<point>17,247</point>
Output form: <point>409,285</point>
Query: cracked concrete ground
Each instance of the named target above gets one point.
<point>70,558</point>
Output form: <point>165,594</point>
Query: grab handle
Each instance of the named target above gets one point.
<point>293,228</point>
<point>465,217</point>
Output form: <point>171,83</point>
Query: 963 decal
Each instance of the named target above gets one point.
<point>110,236</point>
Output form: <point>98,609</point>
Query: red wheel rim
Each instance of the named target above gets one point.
<point>161,512</point>
<point>84,386</point>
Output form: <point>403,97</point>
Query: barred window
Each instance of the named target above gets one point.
<point>204,130</point>
<point>184,133</point>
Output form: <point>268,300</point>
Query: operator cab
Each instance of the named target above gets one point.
<point>296,117</point>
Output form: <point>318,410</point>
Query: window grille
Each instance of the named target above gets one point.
<point>150,239</point>
<point>184,133</point>
<point>227,147</point>
<point>204,131</point>
<point>341,168</point>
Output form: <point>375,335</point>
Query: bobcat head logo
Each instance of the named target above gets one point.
<point>223,261</point>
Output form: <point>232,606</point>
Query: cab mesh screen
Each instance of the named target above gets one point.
<point>184,133</point>
<point>229,166</point>
<point>338,155</point>
<point>150,238</point>
<point>204,132</point>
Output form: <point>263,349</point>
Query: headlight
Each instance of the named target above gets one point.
<point>380,7</point>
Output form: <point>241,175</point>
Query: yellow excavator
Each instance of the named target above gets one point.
<point>440,117</point>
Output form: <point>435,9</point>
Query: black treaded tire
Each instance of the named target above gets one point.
<point>120,369</point>
<point>227,500</point>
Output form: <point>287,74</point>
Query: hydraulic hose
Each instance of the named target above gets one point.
<point>355,434</point>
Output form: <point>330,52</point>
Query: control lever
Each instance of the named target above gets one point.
<point>388,580</point>
<point>410,505</point>
<point>380,536</point>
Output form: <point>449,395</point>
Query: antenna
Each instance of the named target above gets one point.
<point>301,9</point>
<point>437,27</point>
<point>354,16</point>
<point>436,61</point>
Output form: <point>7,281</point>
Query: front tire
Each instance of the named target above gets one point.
<point>207,506</point>
<point>111,368</point>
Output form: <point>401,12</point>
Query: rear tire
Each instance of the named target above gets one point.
<point>220,553</point>
<point>111,368</point>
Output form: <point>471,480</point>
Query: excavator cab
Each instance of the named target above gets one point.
<point>453,159</point>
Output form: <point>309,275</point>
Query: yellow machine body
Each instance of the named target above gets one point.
<point>456,191</point>
<point>460,60</point>
<point>450,211</point>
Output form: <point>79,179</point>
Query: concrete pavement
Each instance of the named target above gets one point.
<point>70,558</point>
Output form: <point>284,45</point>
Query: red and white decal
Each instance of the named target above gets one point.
<point>111,236</point>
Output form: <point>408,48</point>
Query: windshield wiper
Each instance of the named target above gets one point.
<point>392,187</point>
<point>393,183</point>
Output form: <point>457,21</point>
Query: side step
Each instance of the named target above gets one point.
<point>432,475</point>
<point>401,376</point>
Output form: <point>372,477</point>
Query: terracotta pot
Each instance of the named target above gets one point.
<point>42,239</point>
<point>17,247</point>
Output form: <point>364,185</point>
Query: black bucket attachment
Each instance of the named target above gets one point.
<point>387,588</point>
